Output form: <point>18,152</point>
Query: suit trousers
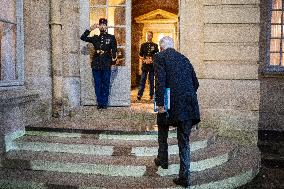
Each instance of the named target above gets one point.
<point>102,83</point>
<point>183,133</point>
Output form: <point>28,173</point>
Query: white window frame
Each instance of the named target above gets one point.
<point>127,30</point>
<point>19,46</point>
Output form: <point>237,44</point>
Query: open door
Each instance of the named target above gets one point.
<point>118,13</point>
<point>161,23</point>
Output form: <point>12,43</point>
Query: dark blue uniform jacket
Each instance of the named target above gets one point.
<point>148,49</point>
<point>105,48</point>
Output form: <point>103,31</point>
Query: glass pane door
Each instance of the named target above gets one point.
<point>118,14</point>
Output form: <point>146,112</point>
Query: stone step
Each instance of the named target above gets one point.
<point>102,123</point>
<point>267,178</point>
<point>125,112</point>
<point>215,155</point>
<point>112,119</point>
<point>272,160</point>
<point>272,153</point>
<point>271,147</point>
<point>236,172</point>
<point>271,136</point>
<point>107,144</point>
<point>82,136</point>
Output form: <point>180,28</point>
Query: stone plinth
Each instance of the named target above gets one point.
<point>15,106</point>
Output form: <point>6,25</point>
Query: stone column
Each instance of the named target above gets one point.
<point>70,16</point>
<point>56,57</point>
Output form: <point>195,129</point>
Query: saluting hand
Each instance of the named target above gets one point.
<point>94,26</point>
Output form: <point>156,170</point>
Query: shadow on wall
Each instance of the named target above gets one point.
<point>271,108</point>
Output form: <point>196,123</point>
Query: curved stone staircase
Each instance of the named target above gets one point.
<point>76,158</point>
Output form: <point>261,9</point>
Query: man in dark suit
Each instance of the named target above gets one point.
<point>147,52</point>
<point>105,48</point>
<point>173,70</point>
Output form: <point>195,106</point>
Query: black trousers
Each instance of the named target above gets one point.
<point>183,132</point>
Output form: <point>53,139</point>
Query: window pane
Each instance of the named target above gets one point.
<point>8,10</point>
<point>116,16</point>
<point>96,14</point>
<point>97,2</point>
<point>8,51</point>
<point>276,31</point>
<point>116,2</point>
<point>120,35</point>
<point>277,4</point>
<point>275,45</point>
<point>120,57</point>
<point>282,45</point>
<point>276,17</point>
<point>282,60</point>
<point>274,58</point>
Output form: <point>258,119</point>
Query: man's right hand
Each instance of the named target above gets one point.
<point>161,109</point>
<point>94,26</point>
<point>148,60</point>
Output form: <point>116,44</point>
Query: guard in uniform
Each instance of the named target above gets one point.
<point>147,51</point>
<point>105,48</point>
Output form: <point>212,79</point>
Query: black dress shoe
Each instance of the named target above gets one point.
<point>138,98</point>
<point>159,163</point>
<point>104,107</point>
<point>99,107</point>
<point>181,182</point>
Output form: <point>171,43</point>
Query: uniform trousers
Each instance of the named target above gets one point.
<point>150,74</point>
<point>102,84</point>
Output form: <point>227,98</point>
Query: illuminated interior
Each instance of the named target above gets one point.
<point>114,11</point>
<point>277,30</point>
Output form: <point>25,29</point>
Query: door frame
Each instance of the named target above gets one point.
<point>121,75</point>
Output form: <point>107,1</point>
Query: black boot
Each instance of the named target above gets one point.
<point>181,182</point>
<point>104,107</point>
<point>158,163</point>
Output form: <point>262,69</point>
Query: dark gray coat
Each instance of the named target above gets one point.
<point>173,70</point>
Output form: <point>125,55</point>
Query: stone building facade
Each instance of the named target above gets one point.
<point>222,39</point>
<point>227,41</point>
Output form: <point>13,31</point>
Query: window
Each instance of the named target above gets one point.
<point>11,43</point>
<point>115,12</point>
<point>277,34</point>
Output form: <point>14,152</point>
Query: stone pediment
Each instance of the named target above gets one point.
<point>157,16</point>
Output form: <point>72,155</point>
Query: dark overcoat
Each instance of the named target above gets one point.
<point>173,70</point>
